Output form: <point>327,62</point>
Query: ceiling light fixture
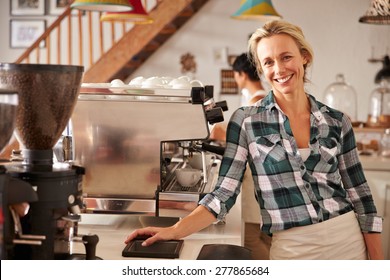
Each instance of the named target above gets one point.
<point>256,10</point>
<point>102,5</point>
<point>377,13</point>
<point>137,16</point>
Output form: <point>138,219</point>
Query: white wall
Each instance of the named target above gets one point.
<point>341,44</point>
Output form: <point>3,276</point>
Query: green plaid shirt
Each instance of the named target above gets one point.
<point>292,192</point>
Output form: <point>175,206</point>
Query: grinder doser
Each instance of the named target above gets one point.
<point>47,97</point>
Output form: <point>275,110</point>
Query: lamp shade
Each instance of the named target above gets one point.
<point>138,15</point>
<point>102,5</point>
<point>377,13</point>
<point>256,10</point>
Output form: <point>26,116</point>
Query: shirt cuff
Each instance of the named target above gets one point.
<point>370,223</point>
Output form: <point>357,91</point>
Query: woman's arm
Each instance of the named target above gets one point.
<point>374,245</point>
<point>355,183</point>
<point>194,222</point>
<point>360,194</point>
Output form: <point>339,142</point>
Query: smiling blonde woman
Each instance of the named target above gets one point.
<point>310,186</point>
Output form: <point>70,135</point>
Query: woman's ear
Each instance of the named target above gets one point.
<point>305,60</point>
<point>305,57</point>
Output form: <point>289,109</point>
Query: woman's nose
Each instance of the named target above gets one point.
<point>279,67</point>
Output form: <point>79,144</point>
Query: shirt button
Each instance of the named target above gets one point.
<point>302,167</point>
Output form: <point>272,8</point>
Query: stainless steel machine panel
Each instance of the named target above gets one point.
<point>117,138</point>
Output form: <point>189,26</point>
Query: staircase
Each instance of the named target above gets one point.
<point>125,55</point>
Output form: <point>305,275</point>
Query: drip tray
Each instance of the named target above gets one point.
<point>163,249</point>
<point>176,187</point>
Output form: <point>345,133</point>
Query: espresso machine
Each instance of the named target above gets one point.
<point>128,140</point>
<point>47,96</point>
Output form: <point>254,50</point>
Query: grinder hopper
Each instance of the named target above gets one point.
<point>47,96</point>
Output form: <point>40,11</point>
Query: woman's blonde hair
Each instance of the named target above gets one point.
<point>280,27</point>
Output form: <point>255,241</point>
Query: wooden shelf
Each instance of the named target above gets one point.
<point>369,129</point>
<point>228,83</point>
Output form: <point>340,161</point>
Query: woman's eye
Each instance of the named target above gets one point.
<point>287,57</point>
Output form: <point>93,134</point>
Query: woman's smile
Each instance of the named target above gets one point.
<point>284,79</point>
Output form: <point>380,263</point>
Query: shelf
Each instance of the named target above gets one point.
<point>228,83</point>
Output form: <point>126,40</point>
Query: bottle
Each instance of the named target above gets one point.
<point>385,143</point>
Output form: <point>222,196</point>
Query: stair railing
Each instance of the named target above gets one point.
<point>75,38</point>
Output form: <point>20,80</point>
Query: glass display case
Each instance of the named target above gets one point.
<point>341,96</point>
<point>379,111</point>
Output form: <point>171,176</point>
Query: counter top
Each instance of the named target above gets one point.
<point>113,229</point>
<point>375,163</point>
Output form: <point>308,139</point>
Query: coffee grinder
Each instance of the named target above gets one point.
<point>47,96</point>
<point>8,103</point>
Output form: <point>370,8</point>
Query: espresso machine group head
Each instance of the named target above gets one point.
<point>47,97</point>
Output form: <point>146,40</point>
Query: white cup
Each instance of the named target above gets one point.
<point>180,84</point>
<point>117,83</point>
<point>188,177</point>
<point>152,82</point>
<point>137,81</point>
<point>196,83</point>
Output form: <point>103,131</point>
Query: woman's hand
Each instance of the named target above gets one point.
<point>155,233</point>
<point>374,246</point>
<point>194,222</point>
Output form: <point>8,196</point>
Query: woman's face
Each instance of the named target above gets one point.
<point>282,63</point>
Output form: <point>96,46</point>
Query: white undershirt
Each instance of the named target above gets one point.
<point>305,153</point>
<point>246,97</point>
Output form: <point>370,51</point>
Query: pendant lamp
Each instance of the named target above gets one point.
<point>137,16</point>
<point>256,10</point>
<point>377,13</point>
<point>102,5</point>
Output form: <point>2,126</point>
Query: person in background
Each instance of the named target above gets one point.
<point>250,85</point>
<point>248,80</point>
<point>310,185</point>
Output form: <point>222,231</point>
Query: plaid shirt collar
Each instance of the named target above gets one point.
<point>317,109</point>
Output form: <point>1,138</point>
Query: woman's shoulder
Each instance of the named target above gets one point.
<point>333,117</point>
<point>327,111</point>
<point>244,112</point>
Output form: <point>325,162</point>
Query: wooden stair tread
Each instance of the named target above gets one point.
<point>139,43</point>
